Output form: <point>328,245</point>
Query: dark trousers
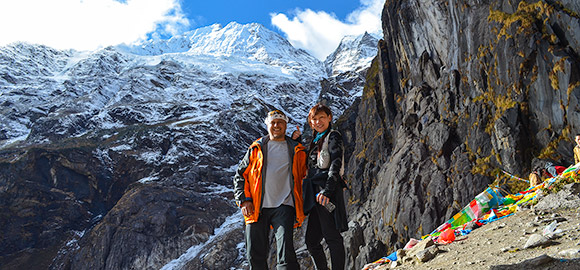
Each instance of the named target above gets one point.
<point>257,238</point>
<point>321,225</point>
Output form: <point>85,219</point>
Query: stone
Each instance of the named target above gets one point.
<point>401,254</point>
<point>471,226</point>
<point>572,253</point>
<point>422,245</point>
<point>427,254</point>
<point>565,198</point>
<point>536,240</point>
<point>533,263</point>
<point>537,261</point>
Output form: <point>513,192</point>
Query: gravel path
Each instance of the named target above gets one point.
<point>502,244</point>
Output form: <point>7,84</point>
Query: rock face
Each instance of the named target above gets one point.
<point>458,91</point>
<point>347,68</point>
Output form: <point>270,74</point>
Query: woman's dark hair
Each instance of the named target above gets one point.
<point>317,109</point>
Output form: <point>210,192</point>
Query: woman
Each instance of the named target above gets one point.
<point>323,189</point>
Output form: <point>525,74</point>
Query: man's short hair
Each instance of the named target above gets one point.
<point>275,114</point>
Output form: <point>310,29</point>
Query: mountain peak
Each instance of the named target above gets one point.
<point>252,41</point>
<point>354,53</point>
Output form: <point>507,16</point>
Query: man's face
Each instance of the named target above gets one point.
<point>577,140</point>
<point>277,130</point>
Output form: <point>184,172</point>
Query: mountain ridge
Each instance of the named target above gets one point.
<point>120,147</point>
<point>233,40</point>
<point>351,49</point>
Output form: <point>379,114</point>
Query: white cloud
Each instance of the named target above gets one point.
<point>87,24</point>
<point>320,32</point>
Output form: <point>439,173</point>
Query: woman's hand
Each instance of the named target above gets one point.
<point>296,134</point>
<point>247,208</point>
<point>321,199</point>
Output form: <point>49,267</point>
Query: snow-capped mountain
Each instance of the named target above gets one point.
<point>117,136</point>
<point>217,67</point>
<point>347,68</point>
<point>354,54</point>
<point>251,41</point>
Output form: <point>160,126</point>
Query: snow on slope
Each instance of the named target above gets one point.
<point>186,107</point>
<point>78,92</point>
<point>251,41</point>
<point>354,54</point>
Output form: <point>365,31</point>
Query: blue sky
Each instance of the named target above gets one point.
<point>314,25</point>
<point>209,12</point>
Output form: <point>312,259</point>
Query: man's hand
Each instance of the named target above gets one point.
<point>296,134</point>
<point>247,208</point>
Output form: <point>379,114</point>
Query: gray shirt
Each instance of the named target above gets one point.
<point>277,183</point>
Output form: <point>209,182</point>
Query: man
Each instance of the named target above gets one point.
<point>268,189</point>
<point>551,170</point>
<point>577,149</point>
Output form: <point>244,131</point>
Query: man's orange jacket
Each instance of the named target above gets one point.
<point>248,184</point>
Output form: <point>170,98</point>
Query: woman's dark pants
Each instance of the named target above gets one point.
<point>321,225</point>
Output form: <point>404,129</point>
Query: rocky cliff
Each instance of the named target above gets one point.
<point>347,68</point>
<point>459,90</point>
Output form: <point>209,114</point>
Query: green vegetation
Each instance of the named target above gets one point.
<point>500,104</point>
<point>558,185</point>
<point>372,80</point>
<point>514,185</point>
<point>550,151</point>
<point>482,166</point>
<point>558,67</point>
<point>572,86</point>
<point>527,15</point>
<point>559,6</point>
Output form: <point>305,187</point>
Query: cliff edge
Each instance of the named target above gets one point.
<point>459,90</point>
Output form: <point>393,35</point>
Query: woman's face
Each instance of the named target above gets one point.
<point>320,121</point>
